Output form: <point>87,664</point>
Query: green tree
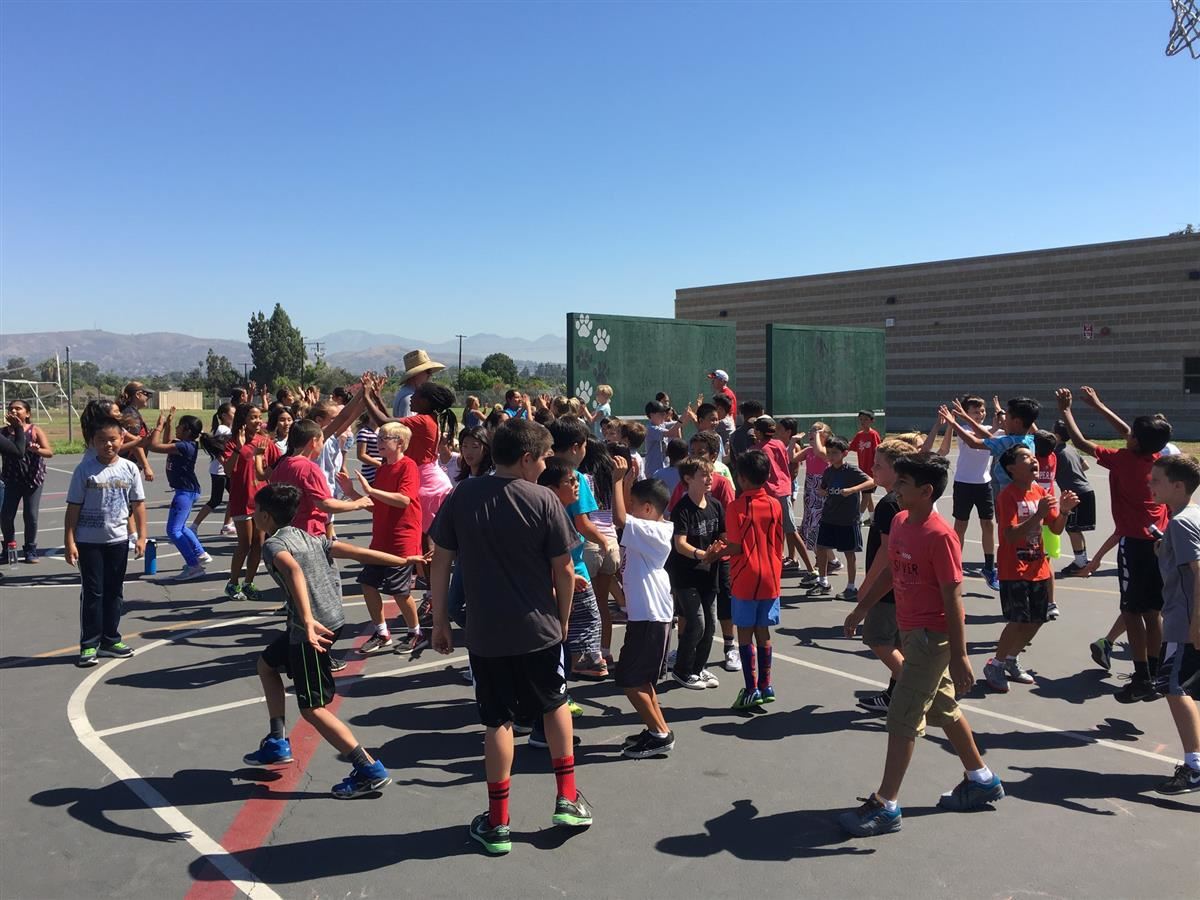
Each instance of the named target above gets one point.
<point>18,368</point>
<point>193,380</point>
<point>501,367</point>
<point>475,379</point>
<point>276,346</point>
<point>327,377</point>
<point>219,374</point>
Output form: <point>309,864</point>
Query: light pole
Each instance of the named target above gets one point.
<point>459,379</point>
<point>70,395</point>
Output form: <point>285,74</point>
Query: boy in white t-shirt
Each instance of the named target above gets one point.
<point>973,491</point>
<point>646,539</point>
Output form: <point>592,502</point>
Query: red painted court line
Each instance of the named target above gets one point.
<point>260,814</point>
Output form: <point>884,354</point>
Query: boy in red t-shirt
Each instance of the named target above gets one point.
<point>1026,581</point>
<point>926,578</point>
<point>754,545</point>
<point>395,528</point>
<point>299,469</point>
<point>864,444</point>
<point>1135,512</point>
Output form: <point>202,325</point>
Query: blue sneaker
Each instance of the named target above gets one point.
<point>362,781</point>
<point>870,819</point>
<point>766,695</point>
<point>992,577</point>
<point>271,752</point>
<point>968,795</point>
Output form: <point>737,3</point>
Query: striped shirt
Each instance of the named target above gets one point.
<point>367,436</point>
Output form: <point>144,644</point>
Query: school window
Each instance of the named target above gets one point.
<point>1191,374</point>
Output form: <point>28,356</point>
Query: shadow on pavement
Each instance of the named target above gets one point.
<point>1068,788</point>
<point>186,787</point>
<point>741,832</point>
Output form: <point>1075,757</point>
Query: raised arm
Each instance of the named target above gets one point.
<point>1063,395</point>
<point>622,476</point>
<point>967,437</point>
<point>1092,399</point>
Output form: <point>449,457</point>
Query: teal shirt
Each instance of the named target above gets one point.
<point>584,505</point>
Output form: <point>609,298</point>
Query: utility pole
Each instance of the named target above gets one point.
<point>459,379</point>
<point>70,394</point>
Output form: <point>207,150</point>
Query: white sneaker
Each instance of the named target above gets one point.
<point>708,679</point>
<point>188,573</point>
<point>733,660</point>
<point>228,529</point>
<point>204,559</point>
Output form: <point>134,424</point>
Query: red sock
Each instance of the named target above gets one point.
<point>564,774</point>
<point>498,802</point>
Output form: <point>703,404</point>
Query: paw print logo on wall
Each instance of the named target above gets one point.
<point>584,391</point>
<point>601,339</point>
<point>583,325</point>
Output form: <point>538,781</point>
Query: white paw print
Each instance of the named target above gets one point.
<point>584,391</point>
<point>583,325</point>
<point>601,339</point>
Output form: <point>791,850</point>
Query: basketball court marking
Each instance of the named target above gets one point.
<point>200,841</point>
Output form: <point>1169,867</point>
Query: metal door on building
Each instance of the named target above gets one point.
<point>826,373</point>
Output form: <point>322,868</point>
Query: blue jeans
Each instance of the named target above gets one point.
<point>181,536</point>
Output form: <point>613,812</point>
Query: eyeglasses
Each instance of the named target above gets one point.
<point>142,393</point>
<point>389,440</point>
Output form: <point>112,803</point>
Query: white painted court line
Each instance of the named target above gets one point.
<point>250,701</point>
<point>237,874</point>
<point>980,711</point>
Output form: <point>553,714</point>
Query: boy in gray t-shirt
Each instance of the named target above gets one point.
<point>1173,480</point>
<point>303,566</point>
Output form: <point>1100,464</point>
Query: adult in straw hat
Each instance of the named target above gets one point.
<point>418,369</point>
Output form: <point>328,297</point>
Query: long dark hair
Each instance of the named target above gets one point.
<point>440,399</point>
<point>599,465</point>
<point>220,411</point>
<point>479,434</point>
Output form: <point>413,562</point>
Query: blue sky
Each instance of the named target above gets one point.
<point>426,169</point>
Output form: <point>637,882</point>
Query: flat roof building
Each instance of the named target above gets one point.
<point>1123,317</point>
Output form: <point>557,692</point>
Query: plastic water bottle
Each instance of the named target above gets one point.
<point>12,553</point>
<point>151,557</point>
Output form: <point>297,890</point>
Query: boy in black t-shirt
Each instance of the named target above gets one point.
<point>876,608</point>
<point>840,530</point>
<point>508,535</point>
<point>699,524</point>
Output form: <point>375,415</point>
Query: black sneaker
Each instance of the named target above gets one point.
<point>790,565</point>
<point>1070,570</point>
<point>808,579</point>
<point>537,737</point>
<point>648,745</point>
<point>876,703</point>
<point>635,738</point>
<point>496,839</point>
<point>1184,781</point>
<point>520,727</point>
<point>1101,649</point>
<point>336,663</point>
<point>1136,689</point>
<point>412,644</point>
<point>819,590</point>
<point>575,813</point>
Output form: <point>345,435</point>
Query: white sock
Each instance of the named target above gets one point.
<point>382,630</point>
<point>659,734</point>
<point>889,805</point>
<point>1081,558</point>
<point>1192,761</point>
<point>981,776</point>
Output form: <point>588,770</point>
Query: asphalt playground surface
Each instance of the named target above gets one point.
<point>127,780</point>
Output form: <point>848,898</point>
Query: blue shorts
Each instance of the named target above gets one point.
<point>755,613</point>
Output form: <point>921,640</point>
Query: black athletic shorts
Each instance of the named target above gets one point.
<point>724,591</point>
<point>1083,517</point>
<point>218,491</point>
<point>843,538</point>
<point>642,653</point>
<point>1179,670</point>
<point>309,670</point>
<point>395,581</point>
<point>973,496</point>
<point>1025,601</point>
<point>524,687</point>
<point>1140,580</point>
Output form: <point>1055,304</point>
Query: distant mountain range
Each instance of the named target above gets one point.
<point>158,352</point>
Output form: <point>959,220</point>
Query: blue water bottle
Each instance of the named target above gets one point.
<point>151,557</point>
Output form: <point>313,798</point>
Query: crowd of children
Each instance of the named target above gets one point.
<point>544,526</point>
